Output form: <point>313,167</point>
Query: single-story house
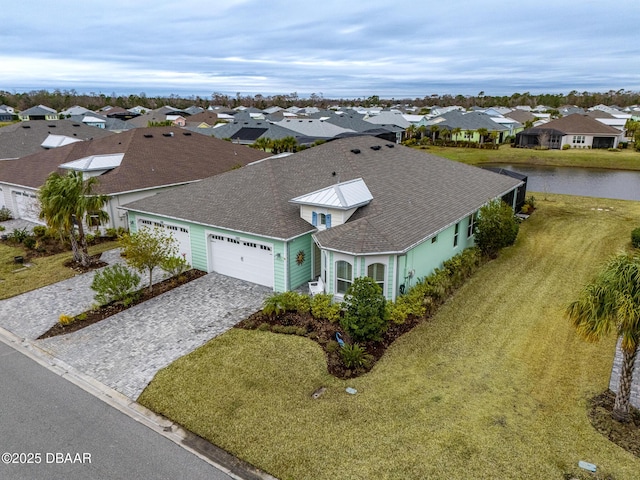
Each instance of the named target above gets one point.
<point>39,112</point>
<point>576,130</point>
<point>129,166</point>
<point>352,207</point>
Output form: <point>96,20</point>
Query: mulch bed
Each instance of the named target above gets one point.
<point>324,333</point>
<point>93,316</point>
<point>625,435</point>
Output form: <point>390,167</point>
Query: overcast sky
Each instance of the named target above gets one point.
<point>333,48</point>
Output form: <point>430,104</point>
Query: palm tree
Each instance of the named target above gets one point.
<point>410,131</point>
<point>445,134</point>
<point>611,303</point>
<point>434,129</point>
<point>494,137</point>
<point>455,132</point>
<point>262,143</point>
<point>482,132</point>
<point>66,203</point>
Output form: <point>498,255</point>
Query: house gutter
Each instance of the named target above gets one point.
<point>288,239</point>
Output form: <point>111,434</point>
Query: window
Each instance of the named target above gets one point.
<point>472,221</point>
<point>376,271</point>
<point>578,139</point>
<point>344,276</point>
<point>323,219</point>
<point>455,235</point>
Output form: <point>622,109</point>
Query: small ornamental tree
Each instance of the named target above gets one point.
<point>148,249</point>
<point>365,315</point>
<point>495,228</point>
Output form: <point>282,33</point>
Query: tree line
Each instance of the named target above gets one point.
<point>63,99</point>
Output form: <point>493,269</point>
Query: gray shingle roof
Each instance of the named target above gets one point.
<point>415,195</point>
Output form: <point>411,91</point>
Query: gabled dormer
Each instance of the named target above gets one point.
<point>95,165</point>
<point>333,205</point>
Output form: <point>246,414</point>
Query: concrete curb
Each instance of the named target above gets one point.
<point>219,458</point>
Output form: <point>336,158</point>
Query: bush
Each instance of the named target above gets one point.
<point>40,231</point>
<point>365,316</point>
<point>19,235</point>
<point>495,228</point>
<point>566,146</point>
<point>355,356</point>
<point>65,319</point>
<point>29,242</point>
<point>115,283</point>
<point>175,265</point>
<point>278,303</point>
<point>322,307</point>
<point>2,229</point>
<point>635,237</point>
<point>5,214</point>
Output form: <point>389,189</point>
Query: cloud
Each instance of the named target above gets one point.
<point>350,49</point>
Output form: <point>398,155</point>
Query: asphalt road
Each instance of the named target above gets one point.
<point>52,429</point>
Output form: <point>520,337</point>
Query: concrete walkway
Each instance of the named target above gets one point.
<point>126,350</point>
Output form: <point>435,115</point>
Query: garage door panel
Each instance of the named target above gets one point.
<point>180,234</point>
<point>243,259</point>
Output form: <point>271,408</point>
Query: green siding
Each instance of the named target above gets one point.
<point>300,274</point>
<point>426,257</point>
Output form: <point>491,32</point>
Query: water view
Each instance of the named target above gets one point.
<point>591,182</point>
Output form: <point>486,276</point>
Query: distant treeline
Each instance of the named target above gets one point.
<point>63,99</point>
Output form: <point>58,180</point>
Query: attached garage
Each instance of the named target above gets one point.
<point>26,206</point>
<point>241,258</point>
<point>181,234</point>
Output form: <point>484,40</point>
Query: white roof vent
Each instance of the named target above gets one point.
<point>54,141</point>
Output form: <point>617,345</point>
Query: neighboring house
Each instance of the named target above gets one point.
<point>129,166</point>
<point>74,111</point>
<point>576,130</point>
<point>24,138</point>
<point>246,130</point>
<point>469,123</point>
<point>39,112</point>
<point>353,207</point>
<point>7,114</point>
<point>313,127</point>
<point>177,120</point>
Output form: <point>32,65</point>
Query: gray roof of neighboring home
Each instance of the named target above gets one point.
<point>231,130</point>
<point>39,110</point>
<point>313,127</point>
<point>415,195</point>
<point>468,121</point>
<point>388,118</point>
<point>110,123</point>
<point>24,138</point>
<point>349,120</point>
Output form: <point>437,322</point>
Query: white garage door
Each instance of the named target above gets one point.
<point>26,206</point>
<point>181,234</point>
<point>240,258</point>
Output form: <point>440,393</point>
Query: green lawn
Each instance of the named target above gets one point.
<point>494,386</point>
<point>627,159</point>
<point>44,271</point>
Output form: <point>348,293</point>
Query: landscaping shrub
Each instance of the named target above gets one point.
<point>115,283</point>
<point>2,229</point>
<point>635,237</point>
<point>355,356</point>
<point>5,214</point>
<point>40,231</point>
<point>566,146</point>
<point>278,303</point>
<point>365,316</point>
<point>65,319</point>
<point>29,242</point>
<point>495,228</point>
<point>322,307</point>
<point>19,235</point>
<point>175,265</point>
